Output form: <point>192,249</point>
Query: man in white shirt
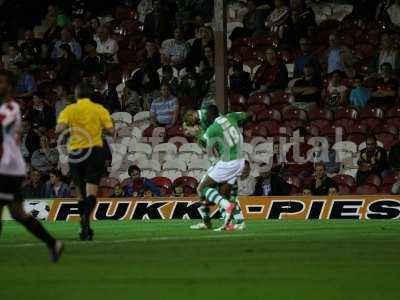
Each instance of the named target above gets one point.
<point>106,46</point>
<point>246,183</point>
<point>176,49</point>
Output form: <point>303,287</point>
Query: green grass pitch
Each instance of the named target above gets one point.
<point>166,260</point>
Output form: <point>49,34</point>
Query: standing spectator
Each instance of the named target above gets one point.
<point>45,159</point>
<point>67,38</point>
<point>321,183</point>
<point>254,19</point>
<point>196,52</point>
<point>387,53</point>
<point>339,57</point>
<point>62,91</point>
<point>82,34</point>
<point>306,58</point>
<point>144,8</point>
<point>67,68</point>
<point>272,75</point>
<point>359,95</point>
<point>374,155</point>
<point>176,49</point>
<point>138,184</point>
<point>13,56</point>
<point>335,94</point>
<point>168,78</point>
<point>92,63</point>
<point>108,93</point>
<point>307,90</point>
<point>246,183</point>
<point>41,114</point>
<point>55,187</point>
<point>157,24</point>
<point>303,17</point>
<point>270,184</point>
<point>35,188</point>
<point>152,56</point>
<point>30,47</point>
<point>164,110</point>
<point>207,63</point>
<point>240,81</point>
<point>279,22</point>
<point>387,88</point>
<point>30,138</point>
<point>26,84</point>
<point>107,47</point>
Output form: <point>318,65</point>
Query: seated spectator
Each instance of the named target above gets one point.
<point>176,49</point>
<point>168,78</point>
<point>374,155</point>
<point>240,81</point>
<point>152,55</point>
<point>246,183</point>
<point>91,63</point>
<point>55,187</point>
<point>147,79</point>
<point>30,47</point>
<point>307,90</point>
<point>280,23</point>
<point>387,88</point>
<point>138,184</point>
<point>359,95</point>
<point>338,57</point>
<point>192,85</point>
<point>30,138</point>
<point>13,56</point>
<point>41,114</point>
<point>363,172</point>
<point>108,93</point>
<point>131,99</point>
<point>118,191</point>
<point>63,91</point>
<point>67,38</point>
<point>82,33</point>
<point>196,52</point>
<point>178,190</point>
<point>321,183</point>
<point>335,94</point>
<point>157,24</point>
<point>393,12</point>
<point>45,159</point>
<point>35,188</point>
<point>272,75</point>
<point>306,58</point>
<point>164,110</point>
<point>107,47</point>
<point>67,67</point>
<point>270,184</point>
<point>26,83</point>
<point>208,60</point>
<point>387,53</point>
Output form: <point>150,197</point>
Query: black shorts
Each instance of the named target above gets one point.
<point>87,166</point>
<point>10,188</point>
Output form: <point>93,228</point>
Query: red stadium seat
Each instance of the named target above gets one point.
<point>259,98</point>
<point>347,124</point>
<point>258,130</point>
<point>357,138</point>
<point>346,113</point>
<point>371,123</point>
<point>394,121</point>
<point>189,184</point>
<point>279,98</point>
<point>344,189</point>
<point>293,124</point>
<point>271,114</point>
<point>256,109</point>
<point>313,130</point>
<point>294,114</point>
<point>389,179</point>
<point>164,184</point>
<point>387,139</point>
<point>177,130</point>
<point>320,124</point>
<point>308,181</point>
<point>320,114</point>
<point>237,99</point>
<point>358,128</point>
<point>388,128</point>
<point>272,127</point>
<point>367,190</point>
<point>345,179</point>
<point>385,189</point>
<point>109,182</point>
<point>371,112</point>
<point>237,107</point>
<point>392,112</point>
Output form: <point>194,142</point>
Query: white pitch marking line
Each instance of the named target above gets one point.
<point>155,239</point>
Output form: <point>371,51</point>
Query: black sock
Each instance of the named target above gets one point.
<point>38,230</point>
<point>87,207</point>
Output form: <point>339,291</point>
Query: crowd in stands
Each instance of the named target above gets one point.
<point>153,60</point>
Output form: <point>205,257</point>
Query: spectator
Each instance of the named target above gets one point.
<point>363,172</point>
<point>35,188</point>
<point>45,159</point>
<point>148,80</point>
<point>307,90</point>
<point>246,183</point>
<point>41,114</point>
<point>168,78</point>
<point>196,52</point>
<point>82,34</point>
<point>26,83</point>
<point>67,68</point>
<point>306,58</point>
<point>302,16</point>
<point>30,138</point>
<point>92,63</point>
<point>164,110</point>
<point>62,91</point>
<point>138,184</point>
<point>393,12</point>
<point>118,191</point>
<point>359,95</point>
<point>387,53</point>
<point>335,94</point>
<point>55,187</point>
<point>239,80</point>
<point>178,190</point>
<point>31,47</point>
<point>280,24</point>
<point>254,19</point>
<point>364,10</point>
<point>67,38</point>
<point>144,8</point>
<point>108,93</point>
<point>332,191</point>
<point>157,23</point>
<point>270,184</point>
<point>321,183</point>
<point>272,74</point>
<point>374,155</point>
<point>207,63</point>
<point>176,49</point>
<point>152,56</point>
<point>387,88</point>
<point>131,98</point>
<point>13,56</point>
<point>107,47</point>
<point>192,85</point>
<point>339,57</point>
<point>396,186</point>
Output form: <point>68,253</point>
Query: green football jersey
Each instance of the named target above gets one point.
<point>224,135</point>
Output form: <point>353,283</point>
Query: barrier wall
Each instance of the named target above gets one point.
<point>254,208</point>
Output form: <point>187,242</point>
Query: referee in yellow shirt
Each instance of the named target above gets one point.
<point>85,122</point>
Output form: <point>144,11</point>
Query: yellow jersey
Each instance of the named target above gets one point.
<point>86,121</point>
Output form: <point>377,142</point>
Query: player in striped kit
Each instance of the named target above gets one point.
<point>13,167</point>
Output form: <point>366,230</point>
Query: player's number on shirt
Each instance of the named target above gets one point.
<point>231,134</point>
